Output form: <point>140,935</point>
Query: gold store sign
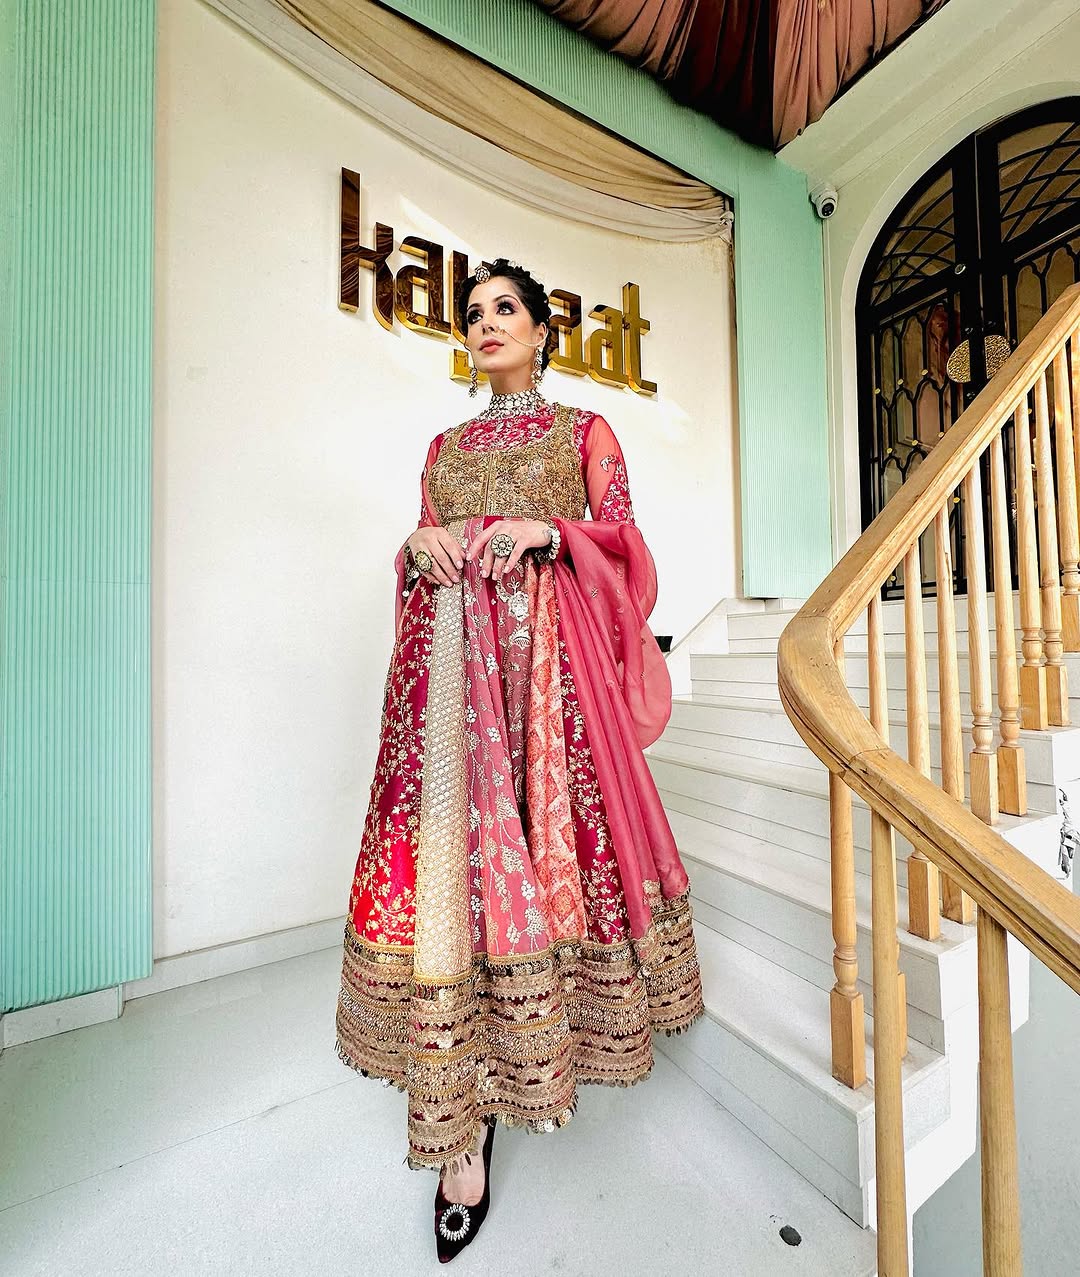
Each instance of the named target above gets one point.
<point>416,297</point>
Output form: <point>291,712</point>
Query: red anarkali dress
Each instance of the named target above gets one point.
<point>519,918</point>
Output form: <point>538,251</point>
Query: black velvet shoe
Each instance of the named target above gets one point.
<point>457,1225</point>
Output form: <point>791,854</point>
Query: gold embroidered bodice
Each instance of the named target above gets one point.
<point>537,479</point>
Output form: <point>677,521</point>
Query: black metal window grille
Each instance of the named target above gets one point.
<point>975,253</point>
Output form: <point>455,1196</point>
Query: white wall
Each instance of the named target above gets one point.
<point>288,442</point>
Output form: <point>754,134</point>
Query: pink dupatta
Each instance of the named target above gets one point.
<point>605,595</point>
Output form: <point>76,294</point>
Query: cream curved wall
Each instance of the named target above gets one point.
<point>289,437</point>
<point>1029,52</point>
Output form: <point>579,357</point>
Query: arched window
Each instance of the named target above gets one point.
<point>969,261</point>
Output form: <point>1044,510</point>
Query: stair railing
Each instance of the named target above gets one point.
<point>957,858</point>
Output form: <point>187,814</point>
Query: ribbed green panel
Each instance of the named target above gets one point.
<point>75,670</point>
<point>787,539</point>
<point>9,24</point>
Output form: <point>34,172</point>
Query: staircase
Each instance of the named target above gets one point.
<point>749,805</point>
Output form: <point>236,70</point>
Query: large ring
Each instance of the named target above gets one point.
<point>502,545</point>
<point>454,1234</point>
<point>422,560</point>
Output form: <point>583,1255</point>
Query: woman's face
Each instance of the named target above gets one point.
<point>494,317</point>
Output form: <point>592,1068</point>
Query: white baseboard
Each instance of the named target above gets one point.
<point>240,955</point>
<point>31,1023</point>
<point>50,1018</point>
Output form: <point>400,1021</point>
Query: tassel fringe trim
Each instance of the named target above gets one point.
<point>506,1116</point>
<point>510,1041</point>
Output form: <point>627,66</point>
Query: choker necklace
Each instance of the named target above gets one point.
<point>514,404</point>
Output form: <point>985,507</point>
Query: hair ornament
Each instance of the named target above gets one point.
<point>482,274</point>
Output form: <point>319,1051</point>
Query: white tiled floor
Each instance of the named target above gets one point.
<point>212,1130</point>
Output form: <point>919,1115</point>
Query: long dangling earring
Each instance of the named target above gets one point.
<point>538,367</point>
<point>473,381</point>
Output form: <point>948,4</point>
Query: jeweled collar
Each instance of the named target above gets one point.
<point>518,403</point>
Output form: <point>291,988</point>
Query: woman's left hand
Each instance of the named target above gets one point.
<point>528,534</point>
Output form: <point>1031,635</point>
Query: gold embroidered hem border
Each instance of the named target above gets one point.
<point>512,1038</point>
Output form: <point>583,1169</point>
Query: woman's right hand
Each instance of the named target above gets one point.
<point>445,554</point>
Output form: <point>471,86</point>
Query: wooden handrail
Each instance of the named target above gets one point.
<point>1027,902</point>
<point>1012,894</point>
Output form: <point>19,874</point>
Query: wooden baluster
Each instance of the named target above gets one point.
<point>997,1116</point>
<point>889,1001</point>
<point>1057,682</point>
<point>1012,772</point>
<point>1033,711</point>
<point>846,1002</point>
<point>955,903</point>
<point>879,720</point>
<point>1074,401</point>
<point>924,907</point>
<point>984,779</point>
<point>1068,536</point>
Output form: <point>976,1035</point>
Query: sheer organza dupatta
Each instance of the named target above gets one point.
<point>606,590</point>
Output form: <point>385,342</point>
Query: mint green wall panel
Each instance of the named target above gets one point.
<point>780,291</point>
<point>9,25</point>
<point>783,423</point>
<point>75,822</point>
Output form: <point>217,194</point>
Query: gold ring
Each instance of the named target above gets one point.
<point>422,560</point>
<point>502,545</point>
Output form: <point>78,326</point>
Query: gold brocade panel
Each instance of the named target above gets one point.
<point>536,480</point>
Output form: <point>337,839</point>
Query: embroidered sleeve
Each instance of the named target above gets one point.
<point>606,481</point>
<point>428,515</point>
<point>616,507</point>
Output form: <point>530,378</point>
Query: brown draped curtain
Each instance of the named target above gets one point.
<point>651,33</point>
<point>821,48</point>
<point>764,70</point>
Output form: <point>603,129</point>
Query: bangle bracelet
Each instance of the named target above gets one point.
<point>550,552</point>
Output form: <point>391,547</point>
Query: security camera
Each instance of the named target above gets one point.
<point>825,201</point>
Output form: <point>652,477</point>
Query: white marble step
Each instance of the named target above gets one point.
<point>895,643</point>
<point>745,722</point>
<point>737,728</point>
<point>760,667</point>
<point>1051,757</point>
<point>788,806</point>
<point>734,675</point>
<point>763,1051</point>
<point>757,625</point>
<point>856,645</point>
<point>778,903</point>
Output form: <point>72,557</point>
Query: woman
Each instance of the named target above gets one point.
<point>519,918</point>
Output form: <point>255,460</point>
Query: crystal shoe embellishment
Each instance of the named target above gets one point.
<point>454,1234</point>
